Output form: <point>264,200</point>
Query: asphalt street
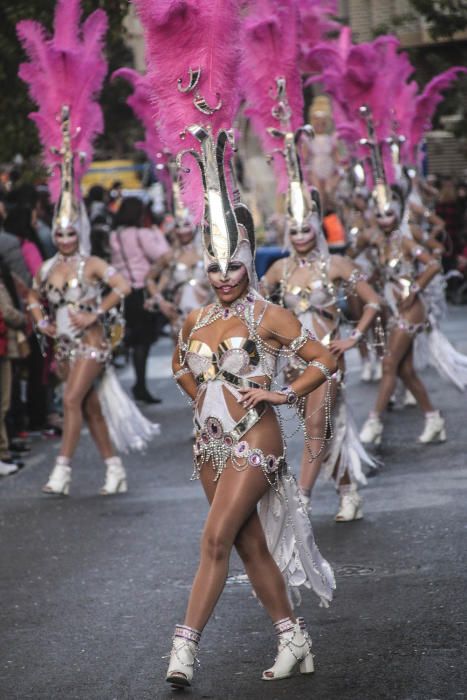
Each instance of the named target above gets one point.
<point>91,587</point>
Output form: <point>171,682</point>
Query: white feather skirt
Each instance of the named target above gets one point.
<point>346,452</point>
<point>128,428</point>
<point>449,362</point>
<point>289,534</point>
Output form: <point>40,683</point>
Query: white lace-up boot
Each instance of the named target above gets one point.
<point>367,371</point>
<point>435,428</point>
<point>183,656</point>
<point>372,431</point>
<point>60,478</point>
<point>294,649</point>
<point>377,371</point>
<point>409,399</point>
<point>350,504</point>
<point>115,478</point>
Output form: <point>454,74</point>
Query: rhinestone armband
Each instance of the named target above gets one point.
<point>323,368</point>
<point>181,372</point>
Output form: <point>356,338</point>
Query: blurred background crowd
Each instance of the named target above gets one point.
<point>30,391</point>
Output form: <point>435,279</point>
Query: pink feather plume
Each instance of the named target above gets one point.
<point>316,23</point>
<point>65,69</point>
<point>184,34</point>
<point>426,103</point>
<point>270,51</point>
<point>143,109</point>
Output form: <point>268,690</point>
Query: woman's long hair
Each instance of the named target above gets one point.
<point>19,223</point>
<point>130,213</point>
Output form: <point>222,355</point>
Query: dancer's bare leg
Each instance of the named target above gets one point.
<point>413,382</point>
<point>399,345</point>
<point>97,425</point>
<point>81,376</point>
<point>233,508</point>
<point>263,572</point>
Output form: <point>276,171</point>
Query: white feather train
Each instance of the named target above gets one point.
<point>449,362</point>
<point>128,428</point>
<point>291,541</point>
<point>346,452</point>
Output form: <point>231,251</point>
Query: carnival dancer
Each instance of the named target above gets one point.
<point>363,250</point>
<point>403,283</point>
<point>307,281</point>
<point>182,286</point>
<point>307,284</point>
<point>227,352</point>
<point>67,302</point>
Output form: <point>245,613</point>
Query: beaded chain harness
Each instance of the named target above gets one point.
<point>212,442</point>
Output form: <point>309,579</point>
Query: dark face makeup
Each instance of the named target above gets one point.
<point>184,233</point>
<point>387,223</point>
<point>303,239</point>
<point>66,241</point>
<point>231,285</point>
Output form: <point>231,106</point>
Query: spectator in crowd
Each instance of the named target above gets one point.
<point>448,208</point>
<point>134,249</point>
<point>10,249</point>
<point>19,222</point>
<point>14,322</point>
<point>96,202</point>
<point>42,220</point>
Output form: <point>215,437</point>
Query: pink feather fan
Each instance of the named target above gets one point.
<point>270,51</point>
<point>184,35</point>
<point>65,69</point>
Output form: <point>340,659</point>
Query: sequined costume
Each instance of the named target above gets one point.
<point>128,428</point>
<point>315,303</point>
<point>223,439</point>
<point>187,287</point>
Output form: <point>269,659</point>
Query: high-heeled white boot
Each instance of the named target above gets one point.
<point>435,428</point>
<point>409,399</point>
<point>60,478</point>
<point>367,371</point>
<point>183,656</point>
<point>115,478</point>
<point>372,431</point>
<point>350,505</point>
<point>294,650</point>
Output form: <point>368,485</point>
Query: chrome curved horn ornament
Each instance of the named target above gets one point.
<point>193,80</point>
<point>202,105</point>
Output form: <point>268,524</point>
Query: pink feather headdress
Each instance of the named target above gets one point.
<point>192,54</point>
<point>425,107</point>
<point>270,53</point>
<point>141,103</point>
<point>65,70</point>
<point>192,69</point>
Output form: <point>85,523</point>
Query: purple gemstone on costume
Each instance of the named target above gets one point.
<point>215,428</point>
<point>271,462</point>
<point>250,297</point>
<point>254,459</point>
<point>226,313</point>
<point>205,437</point>
<point>240,308</point>
<point>228,440</point>
<point>241,449</point>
